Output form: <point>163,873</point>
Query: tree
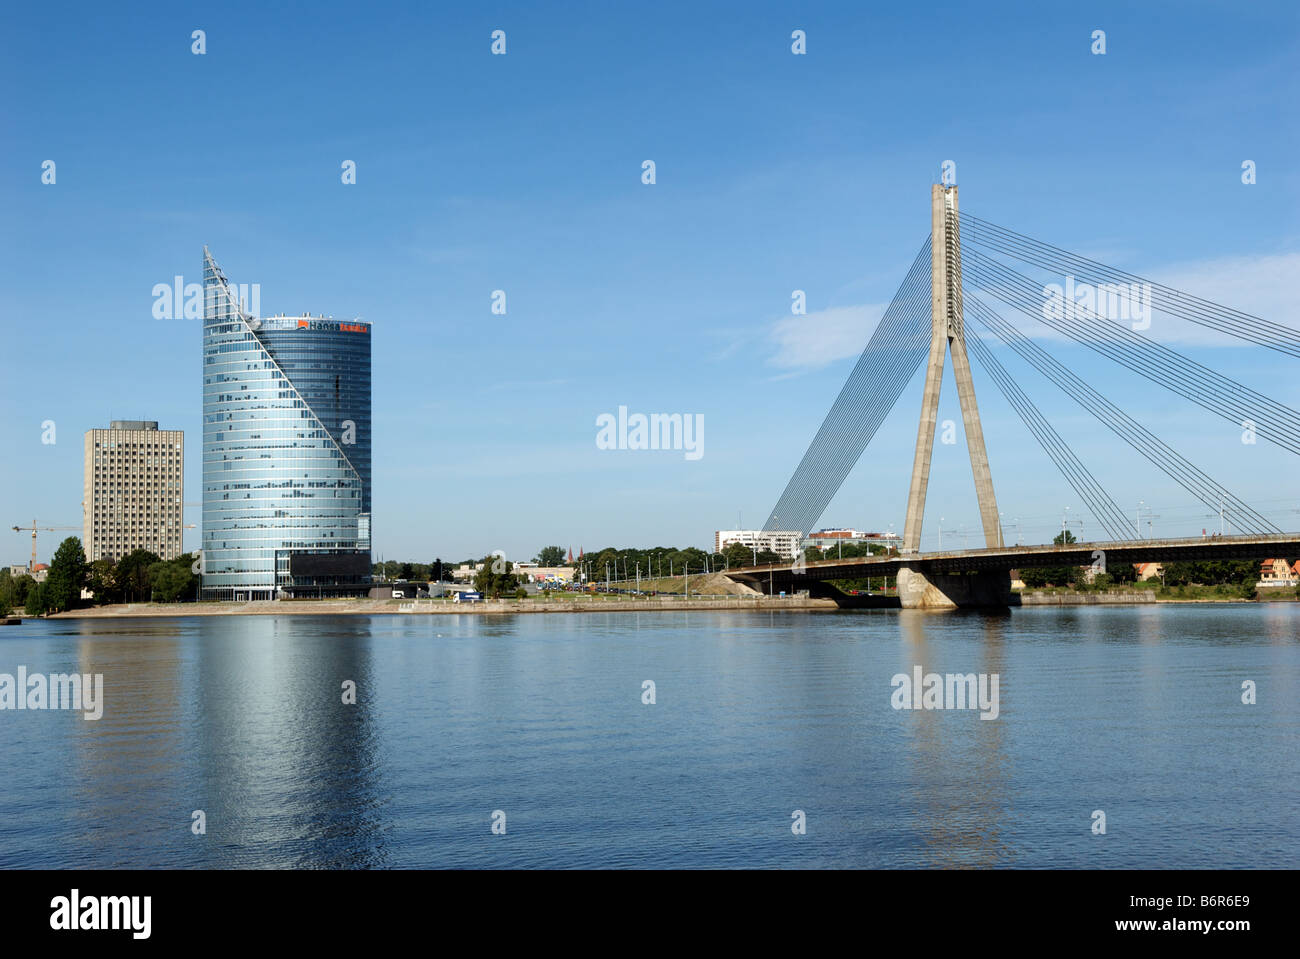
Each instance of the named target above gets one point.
<point>738,555</point>
<point>1037,577</point>
<point>172,581</point>
<point>493,584</point>
<point>551,556</point>
<point>1123,573</point>
<point>405,571</point>
<point>102,581</point>
<point>22,588</point>
<point>1063,538</point>
<point>132,573</point>
<point>66,576</point>
<point>436,571</point>
<point>1033,578</point>
<point>35,604</point>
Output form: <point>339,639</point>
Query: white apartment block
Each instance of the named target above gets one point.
<point>783,542</point>
<point>134,490</point>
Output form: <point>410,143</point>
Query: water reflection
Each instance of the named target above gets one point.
<point>129,761</point>
<point>958,761</point>
<point>1136,710</point>
<point>288,772</point>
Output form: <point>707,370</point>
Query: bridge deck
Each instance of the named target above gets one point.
<point>1201,549</point>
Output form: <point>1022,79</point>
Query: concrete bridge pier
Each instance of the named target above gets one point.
<point>918,588</point>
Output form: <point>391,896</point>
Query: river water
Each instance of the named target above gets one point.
<point>538,722</point>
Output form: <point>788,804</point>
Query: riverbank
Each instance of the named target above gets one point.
<point>1118,597</point>
<point>1068,597</point>
<point>426,607</point>
<point>602,603</point>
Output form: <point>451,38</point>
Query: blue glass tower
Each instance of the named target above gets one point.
<point>286,451</point>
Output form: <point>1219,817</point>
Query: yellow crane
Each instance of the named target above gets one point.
<point>31,567</point>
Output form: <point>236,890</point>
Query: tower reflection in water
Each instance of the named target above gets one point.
<point>959,766</point>
<point>247,725</point>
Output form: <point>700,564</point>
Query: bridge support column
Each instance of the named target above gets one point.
<point>948,335</point>
<point>918,588</point>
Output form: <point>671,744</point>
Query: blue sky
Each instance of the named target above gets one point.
<point>522,172</point>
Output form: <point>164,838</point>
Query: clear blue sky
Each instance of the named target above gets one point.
<point>522,172</point>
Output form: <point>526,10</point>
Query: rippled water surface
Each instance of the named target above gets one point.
<point>1134,711</point>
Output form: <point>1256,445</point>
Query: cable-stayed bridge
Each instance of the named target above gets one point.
<point>959,270</point>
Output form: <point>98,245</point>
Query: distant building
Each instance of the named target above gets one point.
<point>133,490</point>
<point>1278,572</point>
<point>785,543</point>
<point>1147,571</point>
<point>825,538</point>
<point>286,451</point>
<point>465,571</point>
<point>532,573</point>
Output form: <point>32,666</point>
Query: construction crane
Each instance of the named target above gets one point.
<point>33,528</point>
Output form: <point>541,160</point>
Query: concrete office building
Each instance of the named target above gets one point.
<point>133,490</point>
<point>783,542</point>
<point>286,451</point>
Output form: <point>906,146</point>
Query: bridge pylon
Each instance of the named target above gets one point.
<point>948,336</point>
<point>917,587</point>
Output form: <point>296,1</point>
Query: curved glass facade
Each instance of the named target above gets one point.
<point>286,451</point>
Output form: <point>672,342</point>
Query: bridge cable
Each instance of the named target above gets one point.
<point>1104,509</point>
<point>1211,390</point>
<point>890,359</point>
<point>1169,461</point>
<point>820,477</point>
<point>1206,313</point>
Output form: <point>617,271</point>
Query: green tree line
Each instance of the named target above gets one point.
<point>140,575</point>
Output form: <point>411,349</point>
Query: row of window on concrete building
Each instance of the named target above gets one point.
<point>788,543</point>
